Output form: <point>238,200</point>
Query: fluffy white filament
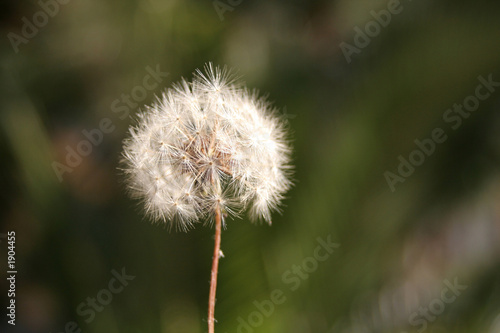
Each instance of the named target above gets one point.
<point>208,144</point>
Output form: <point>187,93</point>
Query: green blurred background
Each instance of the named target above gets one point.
<point>350,121</point>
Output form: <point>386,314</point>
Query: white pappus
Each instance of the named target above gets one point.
<point>207,144</point>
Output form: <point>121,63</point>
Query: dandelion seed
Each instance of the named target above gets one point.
<point>215,137</point>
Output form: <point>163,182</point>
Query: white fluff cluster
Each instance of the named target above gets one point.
<point>205,145</point>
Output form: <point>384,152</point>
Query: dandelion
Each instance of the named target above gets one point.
<point>208,149</point>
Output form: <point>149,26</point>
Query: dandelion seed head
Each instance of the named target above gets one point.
<point>204,145</point>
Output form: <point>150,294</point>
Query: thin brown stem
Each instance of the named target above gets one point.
<point>215,268</point>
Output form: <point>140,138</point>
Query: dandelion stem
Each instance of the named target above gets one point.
<point>215,268</point>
